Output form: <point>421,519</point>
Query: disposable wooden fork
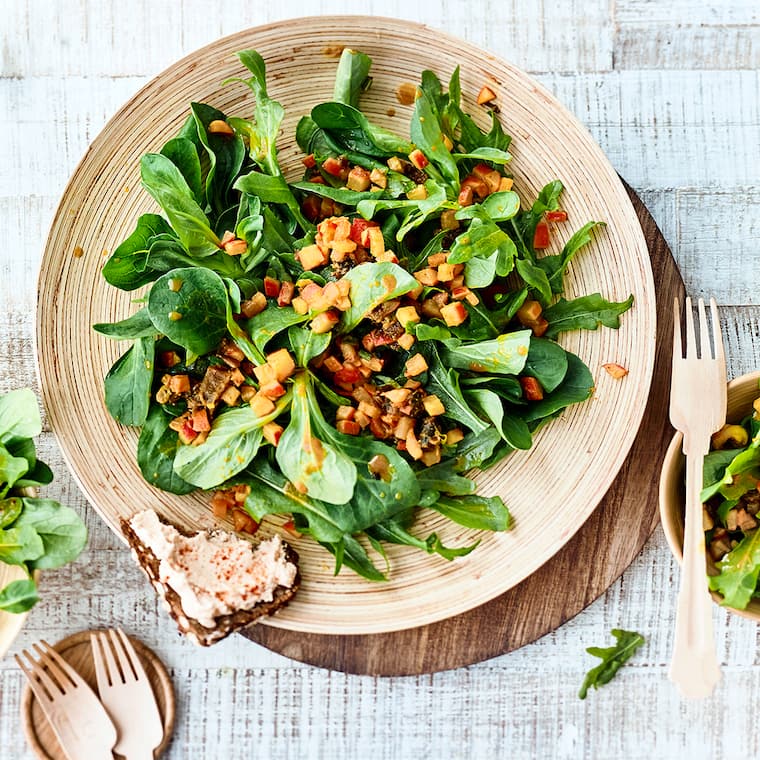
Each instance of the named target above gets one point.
<point>84,730</point>
<point>697,409</point>
<point>126,692</point>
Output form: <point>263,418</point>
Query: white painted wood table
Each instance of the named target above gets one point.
<point>671,91</point>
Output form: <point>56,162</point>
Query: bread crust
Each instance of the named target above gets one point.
<point>224,625</point>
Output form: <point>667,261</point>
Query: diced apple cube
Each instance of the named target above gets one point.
<point>299,305</point>
<point>454,313</point>
<point>376,241</point>
<point>417,193</point>
<point>406,341</point>
<point>395,164</point>
<point>431,456</point>
<point>369,409</point>
<point>272,390</point>
<point>200,420</point>
<point>272,432</point>
<point>415,365</point>
<point>283,364</point>
<point>397,396</point>
<point>254,305</point>
<point>418,158</point>
<point>311,257</point>
<point>261,406</point>
<point>407,314</point>
<point>446,272</point>
<point>247,392</point>
<point>454,436</point>
<point>345,412</point>
<point>427,276</point>
<point>433,405</point>
<point>235,247</point>
<point>379,178</point>
<point>231,396</point>
<point>358,179</point>
<point>324,322</point>
<point>265,373</point>
<point>413,446</point>
<point>505,184</point>
<point>436,259</point>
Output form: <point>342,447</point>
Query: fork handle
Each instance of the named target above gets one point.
<point>694,666</point>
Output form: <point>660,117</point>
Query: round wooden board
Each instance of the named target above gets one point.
<point>573,578</point>
<point>575,458</point>
<point>75,649</point>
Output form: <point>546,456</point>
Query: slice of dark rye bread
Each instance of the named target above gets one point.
<point>224,624</point>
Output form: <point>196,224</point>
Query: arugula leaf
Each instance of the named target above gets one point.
<point>128,384</point>
<point>138,325</point>
<point>444,477</point>
<point>19,416</point>
<point>394,531</point>
<point>349,552</point>
<point>739,570</point>
<point>164,181</point>
<point>584,313</point>
<point>19,596</point>
<point>555,266</point>
<point>505,355</point>
<point>156,450</point>
<point>613,658</point>
<point>371,285</point>
<point>476,448</point>
<point>473,511</point>
<point>189,306</point>
<point>352,73</point>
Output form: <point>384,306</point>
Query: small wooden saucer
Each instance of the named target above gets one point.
<point>75,649</point>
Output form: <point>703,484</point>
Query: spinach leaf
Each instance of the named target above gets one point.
<point>10,509</point>
<point>234,439</point>
<point>444,477</point>
<point>371,285</point>
<point>492,155</point>
<point>19,596</point>
<point>338,194</point>
<point>505,355</point>
<point>226,154</point>
<point>183,154</point>
<point>739,570</point>
<point>577,385</point>
<point>189,306</point>
<point>272,321</point>
<point>126,268</point>
<point>547,361</point>
<point>512,429</point>
<point>352,73</point>
<point>584,313</point>
<point>307,344</point>
<point>19,416</point>
<point>138,325</point>
<point>318,468</point>
<point>473,511</point>
<point>354,131</point>
<point>714,467</point>
<point>555,266</point>
<point>613,658</point>
<point>484,238</point>
<point>164,181</point>
<point>273,189</point>
<point>62,532</point>
<point>498,207</point>
<point>427,134</point>
<point>128,384</point>
<point>11,468</point>
<point>20,544</point>
<point>476,448</point>
<point>156,450</point>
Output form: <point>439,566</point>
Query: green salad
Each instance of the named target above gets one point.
<point>731,505</point>
<point>35,534</point>
<point>343,348</point>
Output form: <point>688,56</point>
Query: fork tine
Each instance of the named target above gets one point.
<point>677,348</point>
<point>36,687</point>
<point>705,351</point>
<point>111,670</point>
<point>127,671</point>
<point>38,673</point>
<point>101,676</point>
<point>691,337</point>
<point>134,660</point>
<point>73,676</point>
<point>717,333</point>
<point>52,666</point>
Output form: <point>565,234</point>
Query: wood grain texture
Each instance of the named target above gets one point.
<point>690,129</point>
<point>103,200</point>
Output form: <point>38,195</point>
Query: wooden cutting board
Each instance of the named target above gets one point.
<point>581,572</point>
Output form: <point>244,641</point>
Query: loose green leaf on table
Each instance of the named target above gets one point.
<point>613,658</point>
<point>19,596</point>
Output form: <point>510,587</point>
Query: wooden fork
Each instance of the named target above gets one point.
<point>697,409</point>
<point>126,692</point>
<point>83,728</point>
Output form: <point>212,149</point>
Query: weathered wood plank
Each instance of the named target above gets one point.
<point>126,39</point>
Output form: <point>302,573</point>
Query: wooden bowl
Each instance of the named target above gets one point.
<point>742,391</point>
<point>551,490</point>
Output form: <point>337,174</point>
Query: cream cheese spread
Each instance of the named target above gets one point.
<point>214,573</point>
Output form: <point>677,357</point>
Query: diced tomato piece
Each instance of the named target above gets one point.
<point>310,208</point>
<point>271,287</point>
<point>348,427</point>
<point>335,166</point>
<point>541,236</point>
<point>287,291</point>
<point>317,179</point>
<point>532,389</point>
<point>556,216</point>
<point>348,375</point>
<point>309,161</point>
<point>357,228</point>
<point>290,526</point>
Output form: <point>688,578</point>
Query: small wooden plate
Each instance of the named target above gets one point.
<point>75,649</point>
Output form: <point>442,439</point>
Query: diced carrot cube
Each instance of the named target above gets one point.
<point>454,314</point>
<point>349,427</point>
<point>532,390</point>
<point>261,406</point>
<point>179,384</point>
<point>201,420</point>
